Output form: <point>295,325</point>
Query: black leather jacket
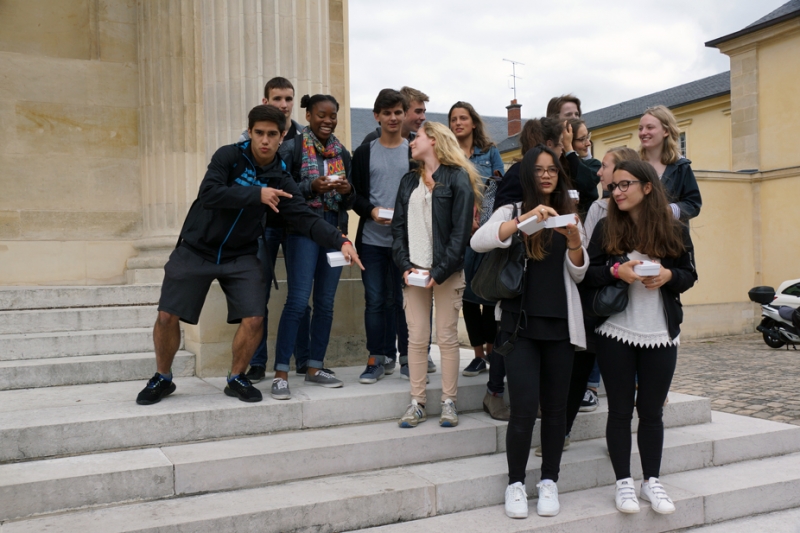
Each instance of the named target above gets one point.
<point>684,276</point>
<point>453,203</point>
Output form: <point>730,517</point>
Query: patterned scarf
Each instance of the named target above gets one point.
<point>309,169</point>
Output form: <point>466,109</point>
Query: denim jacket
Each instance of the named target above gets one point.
<point>487,162</point>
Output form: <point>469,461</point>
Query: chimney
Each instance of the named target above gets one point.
<point>514,118</point>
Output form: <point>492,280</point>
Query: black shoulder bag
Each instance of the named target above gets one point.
<point>611,299</point>
<point>501,273</point>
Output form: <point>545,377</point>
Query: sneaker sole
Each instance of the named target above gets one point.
<point>148,402</point>
<point>370,381</point>
<point>389,371</point>
<point>520,514</point>
<point>548,513</point>
<point>644,499</point>
<point>326,385</point>
<point>230,392</point>
<point>276,397</point>
<point>472,374</point>
<point>447,424</point>
<point>587,409</point>
<point>626,511</point>
<point>431,369</point>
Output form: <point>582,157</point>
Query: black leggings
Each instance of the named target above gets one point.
<point>537,370</point>
<point>581,368</point>
<point>620,363</point>
<point>481,325</point>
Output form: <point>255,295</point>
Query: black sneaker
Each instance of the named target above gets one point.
<point>590,401</point>
<point>256,374</point>
<point>241,388</point>
<point>304,369</point>
<point>475,367</point>
<point>156,388</point>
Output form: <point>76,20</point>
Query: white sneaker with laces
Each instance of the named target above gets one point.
<point>548,498</point>
<point>626,496</point>
<point>653,492</point>
<point>516,501</point>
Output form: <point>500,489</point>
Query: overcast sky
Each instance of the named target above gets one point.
<point>604,52</point>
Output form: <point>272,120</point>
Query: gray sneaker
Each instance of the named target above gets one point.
<point>324,379</point>
<point>414,414</point>
<point>389,365</point>
<point>449,416</point>
<point>431,365</point>
<point>405,375</point>
<point>280,389</point>
<point>371,374</point>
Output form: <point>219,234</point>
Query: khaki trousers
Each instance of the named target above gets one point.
<point>417,303</point>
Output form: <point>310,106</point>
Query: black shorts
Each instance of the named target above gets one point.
<point>187,278</point>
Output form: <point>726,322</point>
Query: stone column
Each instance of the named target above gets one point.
<point>171,128</point>
<point>744,109</point>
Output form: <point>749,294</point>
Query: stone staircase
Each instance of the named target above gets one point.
<point>82,456</point>
<point>74,335</point>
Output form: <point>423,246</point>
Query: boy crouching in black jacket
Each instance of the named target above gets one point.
<point>219,240</point>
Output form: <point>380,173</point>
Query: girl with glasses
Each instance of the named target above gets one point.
<point>580,164</point>
<point>660,136</point>
<point>540,363</point>
<point>643,338</point>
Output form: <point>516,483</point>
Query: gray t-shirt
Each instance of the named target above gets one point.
<point>387,166</point>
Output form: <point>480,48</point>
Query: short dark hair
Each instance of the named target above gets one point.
<point>556,102</point>
<point>308,102</point>
<point>552,128</point>
<point>387,99</point>
<point>266,113</point>
<point>277,83</point>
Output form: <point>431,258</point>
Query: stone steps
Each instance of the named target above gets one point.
<point>46,422</point>
<point>17,298</point>
<point>26,346</point>
<point>466,454</point>
<point>702,496</point>
<point>776,522</point>
<point>77,319</point>
<point>52,372</point>
<point>436,497</point>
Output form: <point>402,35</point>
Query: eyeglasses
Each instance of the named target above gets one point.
<point>622,185</point>
<point>540,171</point>
<point>585,138</point>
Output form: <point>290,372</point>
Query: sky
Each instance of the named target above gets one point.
<point>604,52</point>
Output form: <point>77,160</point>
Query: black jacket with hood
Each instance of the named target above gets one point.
<point>227,218</point>
<point>453,203</point>
<point>681,185</point>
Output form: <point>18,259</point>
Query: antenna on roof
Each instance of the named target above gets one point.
<point>514,76</point>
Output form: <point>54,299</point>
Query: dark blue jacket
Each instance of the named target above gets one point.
<point>682,189</point>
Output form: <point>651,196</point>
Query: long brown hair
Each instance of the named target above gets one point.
<point>532,196</point>
<point>670,151</point>
<point>480,138</point>
<point>656,233</point>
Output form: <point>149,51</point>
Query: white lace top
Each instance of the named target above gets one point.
<point>643,323</point>
<point>420,227</point>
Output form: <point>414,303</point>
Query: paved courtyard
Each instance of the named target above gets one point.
<point>742,375</point>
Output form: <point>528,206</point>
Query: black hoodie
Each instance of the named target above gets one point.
<point>227,218</point>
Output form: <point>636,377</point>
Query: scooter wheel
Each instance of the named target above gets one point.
<point>772,342</point>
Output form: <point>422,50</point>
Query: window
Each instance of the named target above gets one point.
<point>792,290</point>
<point>682,143</point>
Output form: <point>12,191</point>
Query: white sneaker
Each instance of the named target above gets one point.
<point>653,492</point>
<point>548,498</point>
<point>626,496</point>
<point>516,501</point>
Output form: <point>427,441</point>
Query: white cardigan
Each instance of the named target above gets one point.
<point>488,238</point>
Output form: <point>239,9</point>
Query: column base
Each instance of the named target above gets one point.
<point>148,266</point>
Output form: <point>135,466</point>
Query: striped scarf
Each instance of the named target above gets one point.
<point>309,168</point>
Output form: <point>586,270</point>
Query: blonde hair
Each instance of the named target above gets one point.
<point>413,95</point>
<point>670,152</point>
<point>623,153</point>
<point>449,153</point>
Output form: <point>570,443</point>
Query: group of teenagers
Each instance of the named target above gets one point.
<point>436,198</point>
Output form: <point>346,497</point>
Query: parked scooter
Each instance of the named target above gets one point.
<point>776,325</point>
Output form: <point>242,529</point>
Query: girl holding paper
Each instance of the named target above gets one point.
<point>431,228</point>
<point>323,175</point>
<point>544,326</point>
<point>642,339</point>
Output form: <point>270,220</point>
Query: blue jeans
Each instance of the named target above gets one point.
<point>306,269</point>
<point>267,254</point>
<point>594,377</point>
<point>384,318</point>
